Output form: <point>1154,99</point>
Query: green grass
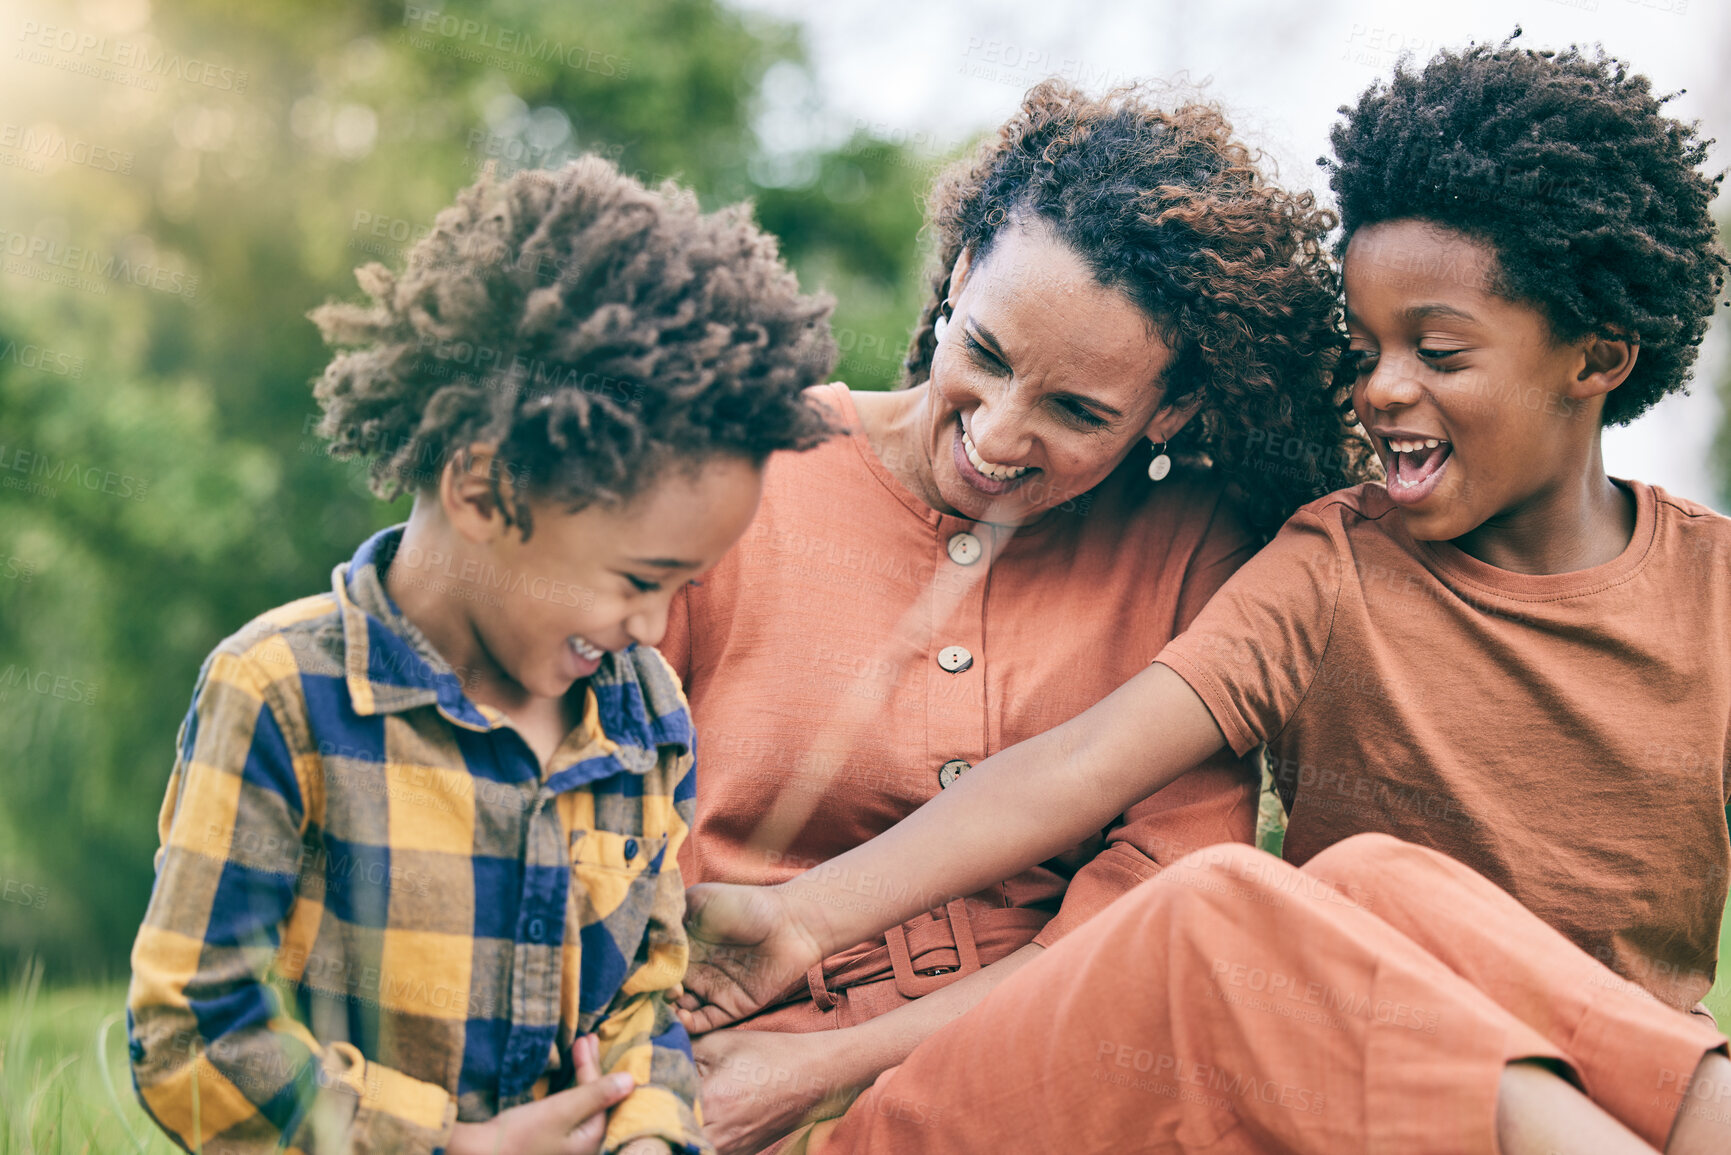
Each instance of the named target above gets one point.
<point>1718,999</point>
<point>57,1044</point>
<point>64,1084</point>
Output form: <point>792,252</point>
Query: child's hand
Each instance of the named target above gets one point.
<point>569,1123</point>
<point>747,948</point>
<point>586,1052</point>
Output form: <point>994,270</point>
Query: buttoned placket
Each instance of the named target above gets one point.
<point>531,1042</point>
<point>962,556</point>
<point>537,954</point>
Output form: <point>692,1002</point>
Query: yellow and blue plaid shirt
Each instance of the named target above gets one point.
<point>375,914</point>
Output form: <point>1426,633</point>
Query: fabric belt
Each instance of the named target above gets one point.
<point>930,952</point>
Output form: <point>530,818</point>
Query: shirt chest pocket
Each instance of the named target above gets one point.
<point>605,850</point>
<point>614,876</point>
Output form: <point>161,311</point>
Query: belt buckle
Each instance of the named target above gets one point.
<point>913,984</point>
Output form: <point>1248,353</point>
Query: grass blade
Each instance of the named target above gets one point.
<point>108,1078</point>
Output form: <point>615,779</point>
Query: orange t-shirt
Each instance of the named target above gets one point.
<point>1566,735</point>
<point>856,641</point>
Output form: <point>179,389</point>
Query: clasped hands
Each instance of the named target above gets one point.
<point>571,1122</point>
<point>746,950</point>
<point>749,948</point>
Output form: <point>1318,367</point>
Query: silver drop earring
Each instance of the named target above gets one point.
<point>942,324</point>
<point>1161,465</point>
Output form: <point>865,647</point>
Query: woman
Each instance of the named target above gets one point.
<point>1110,275</point>
<point>1464,674</point>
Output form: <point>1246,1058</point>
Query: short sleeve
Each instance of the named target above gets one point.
<point>1254,649</point>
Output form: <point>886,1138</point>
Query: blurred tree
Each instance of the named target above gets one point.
<point>177,189</point>
<point>1721,462</point>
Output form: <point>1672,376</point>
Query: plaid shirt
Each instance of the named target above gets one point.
<point>375,915</point>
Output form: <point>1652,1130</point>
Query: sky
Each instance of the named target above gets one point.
<point>935,73</point>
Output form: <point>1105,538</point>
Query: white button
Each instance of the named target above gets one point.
<point>955,659</point>
<point>965,549</point>
<point>950,771</point>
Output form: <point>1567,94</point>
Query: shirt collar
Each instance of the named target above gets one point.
<point>390,667</point>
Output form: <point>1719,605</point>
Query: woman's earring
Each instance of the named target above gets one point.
<point>942,324</point>
<point>1161,465</point>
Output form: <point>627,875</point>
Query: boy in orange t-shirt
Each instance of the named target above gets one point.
<point>1501,657</point>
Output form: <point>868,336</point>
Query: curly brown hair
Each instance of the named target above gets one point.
<point>1565,164</point>
<point>1168,207</point>
<point>594,331</point>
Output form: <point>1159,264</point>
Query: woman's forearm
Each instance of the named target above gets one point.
<point>869,1049</point>
<point>1017,808</point>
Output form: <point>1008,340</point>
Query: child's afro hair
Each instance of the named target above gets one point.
<point>1565,165</point>
<point>593,331</point>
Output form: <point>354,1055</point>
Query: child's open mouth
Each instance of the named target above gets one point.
<point>583,657</point>
<point>1415,465</point>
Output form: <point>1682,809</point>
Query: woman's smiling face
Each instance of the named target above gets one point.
<point>1044,381</point>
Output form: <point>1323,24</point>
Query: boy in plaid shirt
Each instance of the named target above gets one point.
<point>417,889</point>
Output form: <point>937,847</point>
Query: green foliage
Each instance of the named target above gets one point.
<point>64,1082</point>
<point>161,483</point>
<point>1721,453</point>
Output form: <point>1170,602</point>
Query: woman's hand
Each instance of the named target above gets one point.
<point>747,949</point>
<point>760,1085</point>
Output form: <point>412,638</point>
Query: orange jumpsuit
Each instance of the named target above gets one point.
<point>1239,1005</point>
<point>857,650</point>
<point>1567,737</point>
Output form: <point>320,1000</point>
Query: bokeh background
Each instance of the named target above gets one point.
<point>181,180</point>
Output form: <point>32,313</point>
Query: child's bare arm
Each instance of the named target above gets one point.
<point>1015,809</point>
